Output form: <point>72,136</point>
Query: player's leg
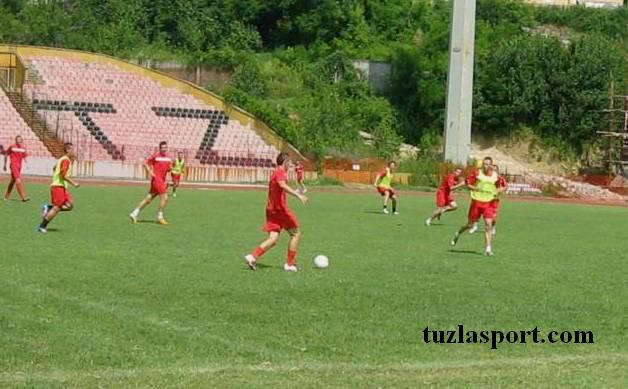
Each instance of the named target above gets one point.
<point>302,185</point>
<point>293,246</point>
<point>59,199</point>
<point>451,206</point>
<point>7,194</point>
<point>48,217</point>
<point>435,216</point>
<point>393,198</point>
<point>440,203</point>
<point>66,207</point>
<point>143,204</point>
<point>496,206</point>
<point>461,231</point>
<point>176,179</point>
<point>474,228</point>
<point>488,236</point>
<point>270,242</point>
<point>475,212</point>
<point>385,197</point>
<point>163,201</point>
<point>20,189</point>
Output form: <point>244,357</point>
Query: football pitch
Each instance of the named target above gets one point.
<point>99,301</point>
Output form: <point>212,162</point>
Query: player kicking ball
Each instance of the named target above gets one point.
<point>17,154</point>
<point>157,166</point>
<point>484,188</point>
<point>60,197</point>
<point>383,184</point>
<point>444,201</point>
<point>279,217</point>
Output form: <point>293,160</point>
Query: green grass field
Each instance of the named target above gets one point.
<point>101,302</point>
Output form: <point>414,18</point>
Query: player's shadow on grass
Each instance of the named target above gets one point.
<point>465,252</point>
<point>147,222</point>
<point>375,213</point>
<point>52,229</point>
<point>260,266</point>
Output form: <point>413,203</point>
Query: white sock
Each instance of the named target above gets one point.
<point>160,215</point>
<point>488,248</point>
<point>135,212</point>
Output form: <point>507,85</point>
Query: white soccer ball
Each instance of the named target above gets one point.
<point>321,262</point>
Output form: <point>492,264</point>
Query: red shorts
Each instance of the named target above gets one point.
<point>443,199</point>
<point>486,209</point>
<point>176,178</point>
<point>158,187</point>
<point>59,196</point>
<point>381,190</point>
<point>16,172</point>
<point>277,221</point>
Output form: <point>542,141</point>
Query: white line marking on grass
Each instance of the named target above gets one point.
<point>135,315</point>
<point>310,367</point>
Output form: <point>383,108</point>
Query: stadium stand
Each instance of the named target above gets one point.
<point>12,124</point>
<point>113,114</point>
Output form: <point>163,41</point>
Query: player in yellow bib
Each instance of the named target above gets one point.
<point>59,195</point>
<point>383,184</point>
<point>485,187</point>
<point>177,170</point>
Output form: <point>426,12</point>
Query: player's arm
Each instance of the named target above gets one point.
<point>65,166</point>
<point>377,178</point>
<point>149,168</point>
<point>502,186</point>
<point>6,156</point>
<point>284,185</point>
<point>458,185</point>
<point>470,182</point>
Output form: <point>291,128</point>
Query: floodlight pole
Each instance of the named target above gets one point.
<point>460,82</point>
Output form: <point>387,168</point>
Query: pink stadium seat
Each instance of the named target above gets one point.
<point>12,124</point>
<point>136,127</point>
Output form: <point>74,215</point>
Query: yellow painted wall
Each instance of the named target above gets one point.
<point>169,82</point>
<point>10,60</point>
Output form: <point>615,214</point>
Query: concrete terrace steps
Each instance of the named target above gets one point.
<point>25,108</point>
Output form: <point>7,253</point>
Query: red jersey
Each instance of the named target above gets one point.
<point>16,153</point>
<point>448,182</point>
<point>161,164</point>
<point>276,194</point>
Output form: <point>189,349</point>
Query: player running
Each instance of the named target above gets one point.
<point>17,154</point>
<point>59,196</point>
<point>178,169</point>
<point>484,189</point>
<point>298,169</point>
<point>157,166</point>
<point>383,183</point>
<point>500,183</point>
<point>444,201</point>
<point>279,217</point>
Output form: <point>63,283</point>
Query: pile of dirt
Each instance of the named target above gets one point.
<point>564,187</point>
<point>509,163</point>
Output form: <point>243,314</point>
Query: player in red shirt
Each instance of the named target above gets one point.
<point>279,217</point>
<point>501,183</point>
<point>444,201</point>
<point>298,169</point>
<point>157,166</point>
<point>17,154</point>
